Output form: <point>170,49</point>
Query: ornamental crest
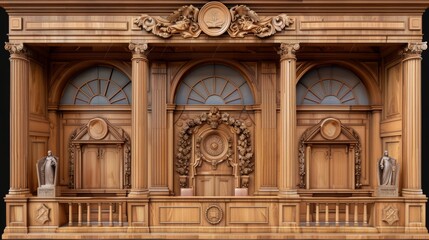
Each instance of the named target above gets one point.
<point>214,19</point>
<point>390,215</point>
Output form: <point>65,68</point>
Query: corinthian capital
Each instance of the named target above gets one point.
<point>415,48</point>
<point>287,50</point>
<point>137,47</point>
<point>15,48</point>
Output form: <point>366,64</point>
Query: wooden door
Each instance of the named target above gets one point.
<point>329,167</point>
<point>212,185</point>
<point>101,167</point>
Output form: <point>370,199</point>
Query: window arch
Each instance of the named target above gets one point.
<point>214,84</point>
<point>99,85</point>
<point>331,85</point>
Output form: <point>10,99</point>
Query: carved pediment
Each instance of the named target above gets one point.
<point>98,130</point>
<point>214,19</point>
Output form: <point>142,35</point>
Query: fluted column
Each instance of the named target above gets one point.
<point>411,139</point>
<point>139,120</point>
<point>18,118</point>
<point>375,145</point>
<point>287,123</point>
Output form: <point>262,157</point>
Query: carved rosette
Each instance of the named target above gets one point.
<point>214,19</point>
<point>245,21</point>
<point>183,22</point>
<point>214,118</point>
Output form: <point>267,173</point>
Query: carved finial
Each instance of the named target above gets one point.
<point>15,48</point>
<point>415,48</point>
<point>287,50</point>
<point>137,47</point>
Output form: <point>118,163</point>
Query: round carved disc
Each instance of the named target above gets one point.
<point>97,128</point>
<point>214,145</point>
<point>330,128</point>
<point>214,18</point>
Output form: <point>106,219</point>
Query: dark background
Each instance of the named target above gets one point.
<point>4,115</point>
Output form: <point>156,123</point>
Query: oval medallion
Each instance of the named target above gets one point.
<point>214,18</point>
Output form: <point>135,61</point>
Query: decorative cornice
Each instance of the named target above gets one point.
<point>15,48</point>
<point>287,50</point>
<point>138,48</point>
<point>415,48</point>
<point>240,20</point>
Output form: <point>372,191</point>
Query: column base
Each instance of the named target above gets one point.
<point>409,192</point>
<point>139,193</point>
<point>19,192</point>
<point>289,193</point>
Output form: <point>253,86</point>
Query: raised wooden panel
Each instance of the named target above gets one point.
<point>319,167</point>
<point>101,167</point>
<point>352,25</point>
<point>73,25</point>
<point>415,214</point>
<point>248,215</point>
<point>339,165</point>
<point>205,186</point>
<point>37,151</point>
<point>37,85</point>
<point>392,91</point>
<point>183,215</point>
<point>16,214</point>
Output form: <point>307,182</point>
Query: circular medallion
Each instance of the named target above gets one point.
<point>330,128</point>
<point>214,145</point>
<point>97,128</point>
<point>214,18</point>
<point>214,214</point>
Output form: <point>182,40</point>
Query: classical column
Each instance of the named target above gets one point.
<point>18,118</point>
<point>411,118</point>
<point>139,120</point>
<point>375,145</point>
<point>287,124</point>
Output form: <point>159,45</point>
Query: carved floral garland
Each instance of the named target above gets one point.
<point>184,21</point>
<point>214,118</point>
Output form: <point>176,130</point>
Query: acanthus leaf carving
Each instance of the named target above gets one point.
<point>183,21</point>
<point>245,21</point>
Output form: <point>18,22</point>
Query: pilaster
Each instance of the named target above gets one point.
<point>287,124</point>
<point>411,63</point>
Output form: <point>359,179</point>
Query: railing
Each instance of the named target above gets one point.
<point>99,212</point>
<point>337,212</point>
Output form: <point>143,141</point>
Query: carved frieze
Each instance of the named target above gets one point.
<point>214,19</point>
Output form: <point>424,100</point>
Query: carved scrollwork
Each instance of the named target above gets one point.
<point>15,48</point>
<point>183,21</point>
<point>245,21</point>
<point>415,48</point>
<point>214,118</point>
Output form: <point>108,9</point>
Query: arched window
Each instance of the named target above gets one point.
<point>214,84</point>
<point>98,85</point>
<point>331,85</point>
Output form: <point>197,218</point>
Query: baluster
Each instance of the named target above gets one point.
<point>365,216</point>
<point>79,214</point>
<point>347,214</point>
<point>326,214</point>
<point>110,214</point>
<point>317,214</point>
<point>120,214</point>
<point>70,214</point>
<point>307,220</point>
<point>99,214</point>
<point>337,214</point>
<point>356,214</point>
<point>88,214</point>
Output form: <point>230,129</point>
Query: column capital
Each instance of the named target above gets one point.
<point>415,48</point>
<point>15,48</point>
<point>138,47</point>
<point>287,50</point>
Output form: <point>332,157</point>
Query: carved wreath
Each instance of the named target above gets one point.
<point>214,118</point>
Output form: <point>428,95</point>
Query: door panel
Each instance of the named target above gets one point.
<point>205,186</point>
<point>112,170</point>
<point>339,167</point>
<point>224,185</point>
<point>319,167</point>
<point>91,174</point>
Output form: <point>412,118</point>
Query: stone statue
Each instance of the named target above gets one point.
<point>387,168</point>
<point>47,175</point>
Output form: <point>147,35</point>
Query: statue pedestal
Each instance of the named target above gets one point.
<point>387,191</point>
<point>186,192</point>
<point>47,191</point>
<point>241,191</point>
